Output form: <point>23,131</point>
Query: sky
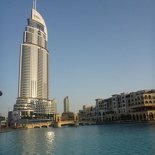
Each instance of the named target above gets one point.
<point>97,48</point>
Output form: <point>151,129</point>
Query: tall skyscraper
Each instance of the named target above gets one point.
<point>33,84</point>
<point>66,104</point>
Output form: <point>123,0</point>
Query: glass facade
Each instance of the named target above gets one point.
<point>33,83</point>
<point>35,24</point>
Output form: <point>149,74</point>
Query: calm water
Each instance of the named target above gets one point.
<point>127,139</point>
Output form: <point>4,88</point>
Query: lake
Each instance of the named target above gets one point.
<point>113,139</point>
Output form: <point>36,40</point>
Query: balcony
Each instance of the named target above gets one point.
<point>141,105</point>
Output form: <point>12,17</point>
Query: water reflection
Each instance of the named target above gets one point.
<point>106,139</point>
<point>38,141</point>
<point>50,136</point>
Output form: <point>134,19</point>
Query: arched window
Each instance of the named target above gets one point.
<point>112,118</point>
<point>137,117</point>
<point>151,115</point>
<point>133,117</point>
<point>145,96</point>
<point>144,116</point>
<point>149,96</point>
<point>140,116</point>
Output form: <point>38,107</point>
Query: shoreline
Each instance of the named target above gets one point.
<point>126,122</point>
<point>2,130</point>
<point>5,130</point>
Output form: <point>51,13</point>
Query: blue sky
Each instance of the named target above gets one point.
<point>97,48</point>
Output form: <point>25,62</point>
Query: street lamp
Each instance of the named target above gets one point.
<point>1,93</point>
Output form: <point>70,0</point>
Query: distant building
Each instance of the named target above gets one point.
<point>2,118</point>
<point>87,113</point>
<point>133,106</point>
<point>2,121</point>
<point>13,117</point>
<point>33,83</point>
<point>66,116</point>
<point>46,108</point>
<point>66,104</point>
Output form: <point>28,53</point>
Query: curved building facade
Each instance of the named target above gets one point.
<point>33,84</point>
<point>34,59</point>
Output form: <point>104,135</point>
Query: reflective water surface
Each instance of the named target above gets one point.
<point>124,139</point>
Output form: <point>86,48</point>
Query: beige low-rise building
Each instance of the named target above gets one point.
<point>133,106</point>
<point>88,113</point>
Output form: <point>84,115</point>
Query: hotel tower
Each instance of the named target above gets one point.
<point>66,104</point>
<point>33,82</point>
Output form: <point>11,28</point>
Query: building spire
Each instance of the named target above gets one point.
<point>34,4</point>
